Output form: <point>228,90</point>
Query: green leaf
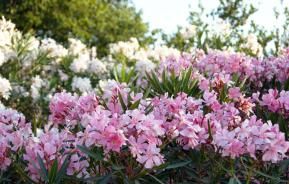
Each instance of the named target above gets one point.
<point>53,171</point>
<point>43,170</point>
<point>157,82</point>
<point>124,108</point>
<point>234,180</point>
<point>186,79</point>
<point>123,72</point>
<point>178,164</point>
<point>95,155</point>
<point>286,85</point>
<point>22,173</point>
<point>134,105</point>
<point>99,179</point>
<point>284,165</point>
<point>156,179</point>
<point>115,74</point>
<point>268,176</point>
<point>62,170</point>
<point>147,92</point>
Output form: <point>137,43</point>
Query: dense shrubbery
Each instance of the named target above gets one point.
<point>95,22</point>
<point>140,114</point>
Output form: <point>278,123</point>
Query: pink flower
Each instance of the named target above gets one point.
<point>14,131</point>
<point>210,98</point>
<point>151,157</point>
<point>284,99</point>
<point>87,104</point>
<point>51,145</point>
<point>275,150</point>
<point>137,147</point>
<point>49,148</point>
<point>234,149</point>
<point>4,155</point>
<point>61,108</point>
<point>204,85</point>
<point>234,93</point>
<point>112,139</point>
<point>270,100</point>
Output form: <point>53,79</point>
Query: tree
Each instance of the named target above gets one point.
<point>96,22</point>
<point>243,33</point>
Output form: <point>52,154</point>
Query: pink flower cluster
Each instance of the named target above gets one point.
<point>176,64</point>
<point>121,123</point>
<point>255,70</point>
<point>112,129</point>
<point>14,130</point>
<point>229,127</point>
<point>51,145</point>
<point>215,62</point>
<point>232,134</point>
<point>275,101</point>
<point>252,137</point>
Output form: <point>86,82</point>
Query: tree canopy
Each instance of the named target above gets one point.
<point>96,22</point>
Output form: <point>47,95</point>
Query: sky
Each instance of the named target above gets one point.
<point>168,14</point>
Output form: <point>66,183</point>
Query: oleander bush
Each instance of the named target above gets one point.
<point>171,113</point>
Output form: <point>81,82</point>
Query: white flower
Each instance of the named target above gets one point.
<point>33,44</point>
<point>126,48</point>
<point>20,90</point>
<point>54,49</point>
<point>106,86</point>
<point>93,52</point>
<point>80,64</point>
<point>253,45</point>
<point>81,84</point>
<point>7,32</point>
<point>160,53</point>
<point>141,54</point>
<point>96,67</point>
<point>220,28</point>
<point>83,63</point>
<point>2,107</point>
<point>144,66</point>
<point>2,58</point>
<point>76,47</point>
<point>37,83</point>
<point>188,31</point>
<point>5,88</point>
<point>63,76</point>
<point>33,52</point>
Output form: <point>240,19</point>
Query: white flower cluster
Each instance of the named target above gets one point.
<point>86,60</point>
<point>143,66</point>
<point>5,88</point>
<point>54,49</point>
<point>2,106</point>
<point>83,63</point>
<point>76,47</point>
<point>128,48</point>
<point>37,83</point>
<point>160,53</point>
<point>253,45</point>
<point>107,87</point>
<point>132,50</point>
<point>220,28</point>
<point>189,31</point>
<point>81,84</point>
<point>8,32</point>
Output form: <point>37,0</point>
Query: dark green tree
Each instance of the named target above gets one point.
<point>96,22</point>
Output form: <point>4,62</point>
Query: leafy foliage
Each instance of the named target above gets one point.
<point>97,22</point>
<point>173,84</point>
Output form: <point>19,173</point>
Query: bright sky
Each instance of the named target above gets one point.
<point>168,14</point>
